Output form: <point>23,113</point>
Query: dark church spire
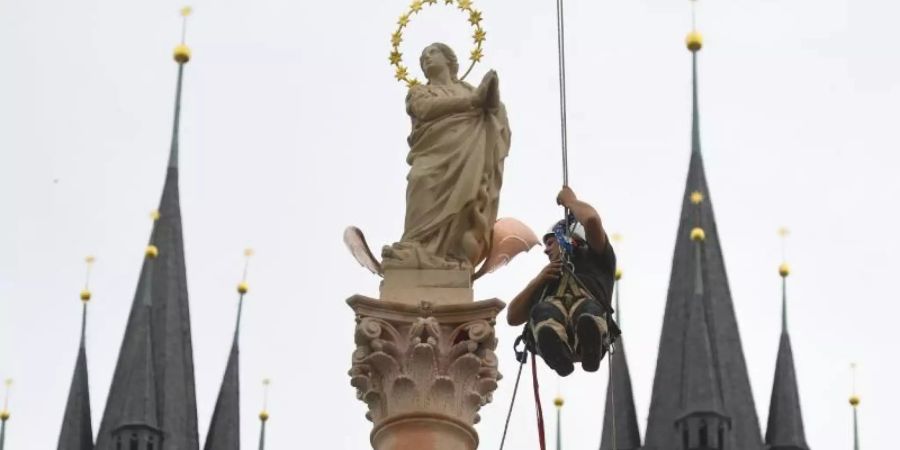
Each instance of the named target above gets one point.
<point>264,415</point>
<point>703,422</point>
<point>854,403</point>
<point>620,427</point>
<point>225,427</point>
<point>77,433</point>
<point>162,330</point>
<point>4,413</point>
<point>785,427</point>
<point>682,314</point>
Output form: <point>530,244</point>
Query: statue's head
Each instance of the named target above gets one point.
<point>439,57</point>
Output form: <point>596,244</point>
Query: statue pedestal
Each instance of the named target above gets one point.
<point>438,287</point>
<point>424,370</point>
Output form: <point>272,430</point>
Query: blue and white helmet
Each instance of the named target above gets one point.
<point>558,230</point>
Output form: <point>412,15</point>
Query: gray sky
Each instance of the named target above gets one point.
<point>293,128</point>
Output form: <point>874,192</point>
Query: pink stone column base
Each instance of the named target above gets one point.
<point>424,432</point>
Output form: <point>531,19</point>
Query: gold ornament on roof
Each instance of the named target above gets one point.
<point>697,234</point>
<point>182,52</point>
<point>85,294</point>
<point>784,270</point>
<point>558,401</point>
<point>151,252</point>
<point>697,197</point>
<point>4,414</point>
<point>618,273</point>
<point>401,71</point>
<point>694,41</point>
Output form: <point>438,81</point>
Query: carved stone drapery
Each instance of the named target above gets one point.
<point>424,371</point>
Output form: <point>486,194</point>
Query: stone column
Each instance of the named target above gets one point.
<point>425,367</point>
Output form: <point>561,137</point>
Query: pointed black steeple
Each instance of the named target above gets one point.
<point>225,427</point>
<point>135,424</point>
<point>264,415</point>
<point>785,428</point>
<point>703,423</point>
<point>168,316</point>
<point>620,426</point>
<point>77,432</point>
<point>718,318</point>
<point>4,413</point>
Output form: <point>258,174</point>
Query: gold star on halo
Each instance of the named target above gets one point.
<point>617,237</point>
<point>465,4</point>
<point>448,2</point>
<point>696,197</point>
<point>476,55</point>
<point>396,57</point>
<point>401,73</point>
<point>416,6</point>
<point>403,20</point>
<point>475,17</point>
<point>411,83</point>
<point>430,2</point>
<point>479,36</point>
<point>396,38</point>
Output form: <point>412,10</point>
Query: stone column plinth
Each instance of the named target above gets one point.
<point>424,371</point>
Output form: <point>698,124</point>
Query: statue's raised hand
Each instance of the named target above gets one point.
<point>488,91</point>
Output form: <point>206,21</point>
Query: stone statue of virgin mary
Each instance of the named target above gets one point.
<point>459,140</point>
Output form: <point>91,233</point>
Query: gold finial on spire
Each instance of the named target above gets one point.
<point>264,414</point>
<point>697,234</point>
<point>784,269</point>
<point>86,292</point>
<point>694,39</point>
<point>182,53</point>
<point>243,287</point>
<point>4,413</point>
<point>558,401</point>
<point>697,197</point>
<point>854,398</point>
<point>151,251</point>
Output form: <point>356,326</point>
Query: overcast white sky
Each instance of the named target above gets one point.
<point>293,128</point>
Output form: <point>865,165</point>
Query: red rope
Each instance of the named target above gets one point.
<point>537,403</point>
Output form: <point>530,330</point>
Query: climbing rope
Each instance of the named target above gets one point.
<point>537,405</point>
<point>561,52</point>
<point>612,392</point>
<point>521,357</point>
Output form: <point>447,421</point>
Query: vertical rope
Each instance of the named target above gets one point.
<point>537,405</point>
<point>612,389</point>
<point>561,51</point>
<point>511,403</point>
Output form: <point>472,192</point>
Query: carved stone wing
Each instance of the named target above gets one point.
<point>510,238</point>
<point>356,243</point>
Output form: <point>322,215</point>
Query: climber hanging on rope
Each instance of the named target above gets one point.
<point>567,306</point>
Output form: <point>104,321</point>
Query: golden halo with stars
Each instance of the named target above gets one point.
<point>401,72</point>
